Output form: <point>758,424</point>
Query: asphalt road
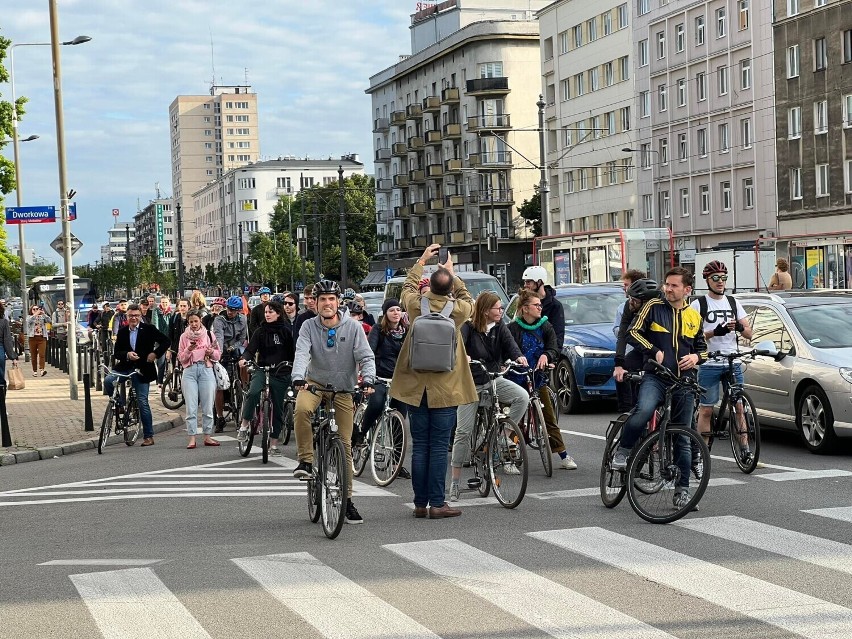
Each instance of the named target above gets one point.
<point>110,556</point>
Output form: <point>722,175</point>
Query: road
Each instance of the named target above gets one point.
<point>165,542</point>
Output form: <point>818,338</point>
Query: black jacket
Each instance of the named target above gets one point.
<point>386,348</point>
<point>273,343</point>
<point>491,348</point>
<point>177,325</point>
<point>301,318</point>
<point>552,348</point>
<point>658,326</point>
<point>256,318</point>
<point>8,342</point>
<point>552,308</point>
<point>149,340</point>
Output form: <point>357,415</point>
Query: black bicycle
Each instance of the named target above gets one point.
<point>171,394</point>
<point>384,445</point>
<point>261,422</point>
<point>236,392</point>
<point>121,419</point>
<point>534,427</point>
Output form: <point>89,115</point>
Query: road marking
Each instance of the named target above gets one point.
<point>100,562</point>
<point>567,494</point>
<point>333,604</point>
<point>844,513</point>
<point>788,543</point>
<point>793,611</point>
<point>540,602</point>
<point>135,604</point>
<point>799,475</point>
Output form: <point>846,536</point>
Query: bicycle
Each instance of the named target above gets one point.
<point>728,424</point>
<point>498,454</point>
<point>171,394</point>
<point>534,428</point>
<point>232,410</point>
<point>329,479</point>
<point>384,445</point>
<point>126,418</point>
<point>261,422</point>
<point>652,472</point>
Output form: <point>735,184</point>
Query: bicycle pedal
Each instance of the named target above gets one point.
<point>474,482</point>
<point>379,457</point>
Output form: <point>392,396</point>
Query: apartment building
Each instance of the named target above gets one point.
<point>155,234</point>
<point>246,197</point>
<point>587,71</point>
<point>210,134</point>
<point>705,124</point>
<point>456,150</point>
<point>119,237</point>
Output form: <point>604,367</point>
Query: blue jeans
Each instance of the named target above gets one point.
<point>710,377</point>
<point>141,387</point>
<point>652,392</point>
<point>430,437</point>
<point>199,386</point>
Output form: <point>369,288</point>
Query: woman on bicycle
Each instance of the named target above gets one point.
<point>537,340</point>
<point>272,343</point>
<point>488,340</point>
<point>197,351</point>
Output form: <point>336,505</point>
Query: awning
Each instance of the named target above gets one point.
<point>374,278</point>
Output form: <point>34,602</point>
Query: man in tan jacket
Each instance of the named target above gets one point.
<point>433,396</point>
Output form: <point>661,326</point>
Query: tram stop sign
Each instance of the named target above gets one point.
<point>58,244</point>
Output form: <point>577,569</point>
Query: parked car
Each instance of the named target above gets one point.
<point>807,386</point>
<point>476,282</point>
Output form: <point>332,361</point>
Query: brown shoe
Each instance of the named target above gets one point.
<point>148,441</point>
<point>420,513</point>
<point>443,512</point>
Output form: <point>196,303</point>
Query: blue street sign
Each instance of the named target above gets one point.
<point>72,211</point>
<point>388,274</point>
<point>30,214</point>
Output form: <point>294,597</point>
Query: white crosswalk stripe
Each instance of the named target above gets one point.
<point>844,513</point>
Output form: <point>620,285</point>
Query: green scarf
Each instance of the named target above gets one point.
<point>530,327</point>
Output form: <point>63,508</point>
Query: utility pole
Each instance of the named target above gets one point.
<point>317,247</point>
<point>179,251</point>
<point>543,188</point>
<point>242,266</point>
<point>344,271</point>
<point>127,260</point>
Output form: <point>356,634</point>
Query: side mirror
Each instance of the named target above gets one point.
<point>768,349</point>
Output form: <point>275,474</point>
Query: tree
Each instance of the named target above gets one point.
<point>9,264</point>
<point>359,265</point>
<point>530,211</point>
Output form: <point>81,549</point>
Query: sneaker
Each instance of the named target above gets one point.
<point>681,499</point>
<point>403,473</point>
<point>352,516</point>
<point>619,460</point>
<point>698,468</point>
<point>303,471</point>
<point>568,463</point>
<point>275,452</point>
<point>510,469</point>
<point>242,434</point>
<point>220,425</point>
<point>357,438</point>
<point>43,372</point>
<point>454,492</point>
<point>35,374</point>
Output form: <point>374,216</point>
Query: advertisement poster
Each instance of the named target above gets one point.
<point>814,268</point>
<point>562,267</point>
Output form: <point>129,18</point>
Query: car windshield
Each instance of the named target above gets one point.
<point>591,308</point>
<point>826,325</point>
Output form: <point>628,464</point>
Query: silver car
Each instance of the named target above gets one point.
<point>807,386</point>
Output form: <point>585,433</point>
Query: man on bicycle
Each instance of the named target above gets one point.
<point>232,335</point>
<point>667,331</point>
<point>331,350</point>
<point>723,318</point>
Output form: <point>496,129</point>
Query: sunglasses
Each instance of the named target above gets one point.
<point>330,341</point>
<point>289,303</point>
<point>719,278</point>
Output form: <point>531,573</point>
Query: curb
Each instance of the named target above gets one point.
<point>51,452</point>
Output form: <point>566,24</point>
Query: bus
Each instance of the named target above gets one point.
<point>51,288</point>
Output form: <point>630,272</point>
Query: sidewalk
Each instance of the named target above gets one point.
<point>45,423</point>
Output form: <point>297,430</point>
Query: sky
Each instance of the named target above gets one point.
<point>309,61</point>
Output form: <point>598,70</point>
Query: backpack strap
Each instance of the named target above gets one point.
<point>733,304</point>
<point>702,307</point>
<point>424,306</point>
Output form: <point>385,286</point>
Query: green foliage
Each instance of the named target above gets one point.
<point>530,211</point>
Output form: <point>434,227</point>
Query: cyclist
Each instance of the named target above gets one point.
<point>723,318</point>
<point>669,332</point>
<point>356,312</point>
<point>536,338</point>
<point>309,312</point>
<point>535,279</point>
<point>330,351</point>
<point>231,334</point>
<point>486,339</point>
<point>177,324</point>
<point>258,313</point>
<point>271,343</point>
<point>638,291</point>
<point>217,306</point>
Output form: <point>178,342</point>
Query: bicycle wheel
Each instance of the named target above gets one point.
<point>171,394</point>
<point>478,451</point>
<point>313,500</point>
<point>653,475</point>
<point>237,395</point>
<point>333,486</point>
<point>746,432</point>
<point>612,481</point>
<point>507,463</point>
<point>254,427</point>
<point>133,423</point>
<point>538,433</point>
<point>388,448</point>
<point>288,423</point>
<point>106,426</point>
<point>266,428</point>
<point>361,452</point>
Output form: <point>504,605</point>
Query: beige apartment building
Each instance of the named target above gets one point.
<point>210,134</point>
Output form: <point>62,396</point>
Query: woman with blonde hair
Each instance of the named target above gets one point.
<point>197,302</point>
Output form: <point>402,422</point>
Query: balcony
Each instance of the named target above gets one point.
<point>381,125</point>
<point>436,204</point>
<point>283,190</point>
<point>438,238</point>
<point>434,137</point>
<point>420,242</point>
<point>419,208</point>
<point>401,212</point>
<point>413,111</point>
<point>399,149</point>
<point>488,122</point>
<point>492,196</point>
<point>485,86</point>
<point>453,165</point>
<point>450,94</point>
<point>454,201</point>
<point>416,176</point>
<point>415,143</point>
<point>383,155</point>
<point>452,130</point>
<point>435,171</point>
<point>397,118</point>
<point>383,216</point>
<point>458,237</point>
<point>473,159</point>
<point>400,180</point>
<point>384,184</point>
<point>402,245</point>
<point>495,158</point>
<point>431,104</point>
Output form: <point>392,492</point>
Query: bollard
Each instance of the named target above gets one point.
<point>98,384</point>
<point>63,355</point>
<point>48,356</point>
<point>80,353</point>
<point>87,398</point>
<point>4,419</point>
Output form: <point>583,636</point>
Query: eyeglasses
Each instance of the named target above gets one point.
<point>497,308</point>
<point>719,278</point>
<point>289,303</point>
<point>134,316</point>
<point>535,305</point>
<point>330,341</point>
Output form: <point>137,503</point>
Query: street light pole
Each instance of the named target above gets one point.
<point>180,256</point>
<point>544,188</point>
<point>344,274</point>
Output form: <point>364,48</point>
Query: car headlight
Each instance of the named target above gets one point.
<point>588,351</point>
<point>846,373</point>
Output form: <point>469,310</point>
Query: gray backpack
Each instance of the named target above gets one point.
<point>432,343</point>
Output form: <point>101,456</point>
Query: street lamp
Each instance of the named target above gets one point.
<point>15,141</point>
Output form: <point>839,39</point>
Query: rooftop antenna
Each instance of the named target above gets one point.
<point>245,70</point>
<point>157,189</point>
<point>212,59</point>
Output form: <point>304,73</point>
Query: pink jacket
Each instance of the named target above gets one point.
<point>189,355</point>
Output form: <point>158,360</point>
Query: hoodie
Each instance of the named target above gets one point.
<point>552,307</point>
<point>337,365</point>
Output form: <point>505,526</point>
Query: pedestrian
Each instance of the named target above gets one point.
<point>59,321</point>
<point>291,307</point>
<point>256,317</point>
<point>217,306</point>
<point>781,279</point>
<point>356,312</point>
<point>308,313</point>
<point>433,397</point>
<point>37,335</point>
<point>103,327</point>
<point>197,352</point>
<point>93,316</point>
<point>177,325</point>
<point>270,345</point>
<point>536,279</point>
<point>147,310</point>
<point>7,345</point>
<point>119,318</point>
<point>199,302</point>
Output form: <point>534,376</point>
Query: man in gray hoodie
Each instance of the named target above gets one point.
<point>331,350</point>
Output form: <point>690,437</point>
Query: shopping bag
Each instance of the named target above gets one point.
<point>223,380</point>
<point>16,379</point>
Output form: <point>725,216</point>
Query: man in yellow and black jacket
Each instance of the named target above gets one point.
<point>669,332</point>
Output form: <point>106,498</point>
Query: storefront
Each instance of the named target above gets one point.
<point>817,261</point>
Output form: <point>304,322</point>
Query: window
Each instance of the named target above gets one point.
<point>243,158</point>
<point>664,207</point>
<point>609,77</point>
<point>647,208</point>
<point>721,22</point>
<point>722,74</point>
<point>704,199</point>
<point>568,137</point>
<point>679,38</point>
<point>822,180</point>
<point>208,145</point>
<point>645,155</point>
<point>596,177</point>
<point>724,138</point>
<point>606,22</point>
<point>847,176</point>
<point>624,67</point>
<point>248,205</point>
<point>565,89</point>
<point>642,7</point>
<point>847,111</point>
<point>701,135</point>
<point>579,84</point>
<point>699,31</point>
<point>613,173</point>
<point>628,169</point>
<point>796,183</point>
<point>609,121</point>
<point>664,151</point>
<point>794,123</point>
<point>592,29</point>
<point>820,55</point>
<point>208,132</point>
<point>208,158</point>
<point>622,14</point>
<point>563,42</point>
<point>682,147</point>
<point>593,79</point>
<point>569,182</point>
<point>625,118</point>
<point>596,127</point>
<point>701,86</point>
<point>643,53</point>
<point>578,36</point>
<point>681,92</point>
<point>726,196</point>
<point>847,46</point>
<point>820,3</point>
<point>664,99</point>
<point>821,117</point>
<point>684,202</point>
<point>745,73</point>
<point>243,145</point>
<point>748,193</point>
<point>743,7</point>
<point>661,45</point>
<point>793,61</point>
<point>644,104</point>
<point>792,7</point>
<point>584,184</point>
<point>745,132</point>
<point>242,131</point>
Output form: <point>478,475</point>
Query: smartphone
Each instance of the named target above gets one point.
<point>443,255</point>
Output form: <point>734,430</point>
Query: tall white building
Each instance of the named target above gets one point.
<point>155,233</point>
<point>119,237</point>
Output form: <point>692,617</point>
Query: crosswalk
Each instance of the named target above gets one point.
<point>336,597</point>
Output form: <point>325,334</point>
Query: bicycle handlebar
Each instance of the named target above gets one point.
<point>733,356</point>
<point>509,365</point>
<point>316,390</point>
<point>272,367</point>
<point>684,382</point>
<point>118,374</point>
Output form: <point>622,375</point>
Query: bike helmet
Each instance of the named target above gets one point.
<point>714,267</point>
<point>349,294</point>
<point>644,289</point>
<point>326,287</point>
<point>219,301</point>
<point>264,290</point>
<point>278,298</point>
<point>535,273</point>
<point>355,308</point>
<point>235,303</point>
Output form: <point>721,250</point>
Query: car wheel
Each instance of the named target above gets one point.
<point>815,420</point>
<point>566,388</point>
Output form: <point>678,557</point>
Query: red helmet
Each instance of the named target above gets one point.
<point>714,267</point>
<point>219,301</point>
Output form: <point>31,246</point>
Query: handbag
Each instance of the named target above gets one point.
<point>223,381</point>
<point>16,379</point>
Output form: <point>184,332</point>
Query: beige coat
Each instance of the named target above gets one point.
<point>443,390</point>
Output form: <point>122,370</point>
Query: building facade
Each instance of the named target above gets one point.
<point>120,236</point>
<point>155,234</point>
<point>455,141</point>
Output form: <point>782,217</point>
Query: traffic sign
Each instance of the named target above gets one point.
<point>388,274</point>
<point>59,246</point>
<point>30,214</point>
<point>72,211</point>
<point>115,212</point>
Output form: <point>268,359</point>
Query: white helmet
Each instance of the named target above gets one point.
<point>535,273</point>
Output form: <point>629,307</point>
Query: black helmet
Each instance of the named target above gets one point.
<point>326,287</point>
<point>644,289</point>
<point>355,308</point>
